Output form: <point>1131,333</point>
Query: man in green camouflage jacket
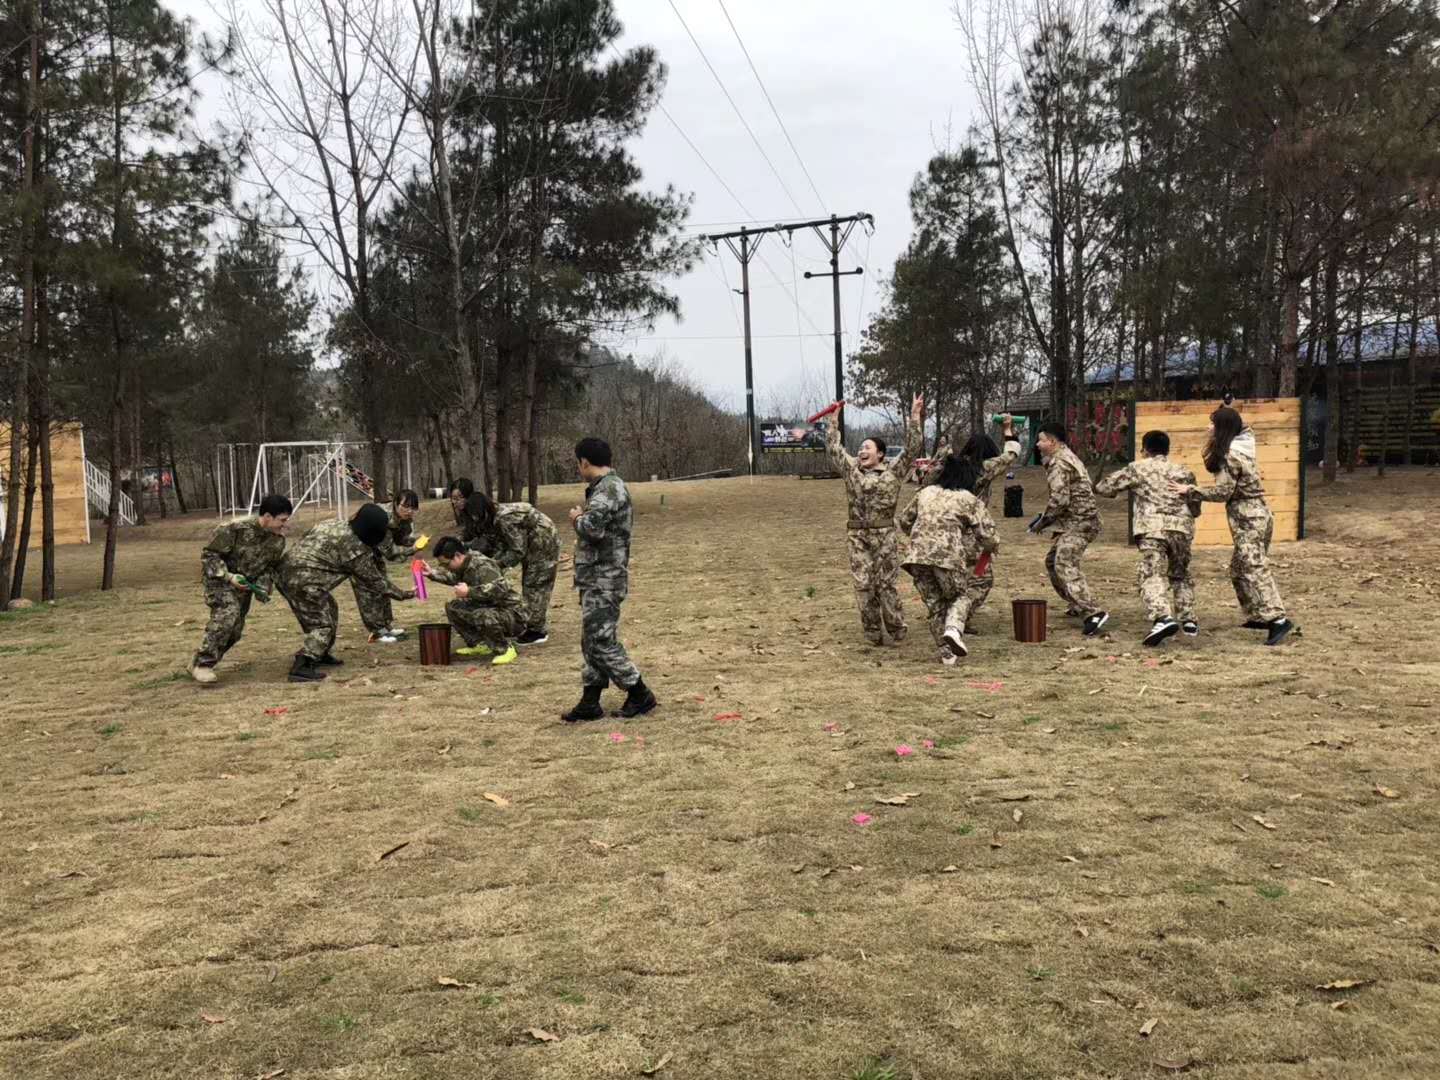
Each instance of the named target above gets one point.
<point>486,611</point>
<point>328,554</point>
<point>240,555</point>
<point>602,574</point>
<point>517,534</point>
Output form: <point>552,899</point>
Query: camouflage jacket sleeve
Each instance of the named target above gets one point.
<point>514,541</point>
<point>985,531</point>
<point>404,551</point>
<point>901,465</point>
<point>218,553</point>
<point>994,466</point>
<point>599,514</point>
<point>1059,483</point>
<point>487,583</point>
<point>369,573</point>
<point>443,576</point>
<point>1118,481</point>
<point>839,456</point>
<point>1221,490</point>
<point>906,521</point>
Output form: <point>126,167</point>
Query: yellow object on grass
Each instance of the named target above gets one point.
<point>474,650</point>
<point>507,657</point>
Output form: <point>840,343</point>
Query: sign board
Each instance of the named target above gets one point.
<point>1278,424</point>
<point>797,437</point>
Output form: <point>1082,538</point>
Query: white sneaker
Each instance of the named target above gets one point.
<point>202,674</point>
<point>1163,628</point>
<point>383,637</point>
<point>954,642</point>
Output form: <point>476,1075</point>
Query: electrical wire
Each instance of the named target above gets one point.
<point>776,112</point>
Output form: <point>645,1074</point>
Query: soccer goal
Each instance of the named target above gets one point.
<point>321,474</point>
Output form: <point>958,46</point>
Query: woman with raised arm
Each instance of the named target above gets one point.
<point>1230,457</point>
<point>873,489</point>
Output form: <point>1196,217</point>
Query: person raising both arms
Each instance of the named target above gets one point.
<point>872,489</point>
<point>1230,458</point>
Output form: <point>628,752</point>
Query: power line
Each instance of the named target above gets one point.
<point>703,158</point>
<point>721,83</point>
<point>820,199</point>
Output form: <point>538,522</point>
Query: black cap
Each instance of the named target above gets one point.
<point>369,524</point>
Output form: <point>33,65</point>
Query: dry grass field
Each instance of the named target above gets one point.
<point>1213,860</point>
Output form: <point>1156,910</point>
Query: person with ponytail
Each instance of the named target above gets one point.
<point>1230,458</point>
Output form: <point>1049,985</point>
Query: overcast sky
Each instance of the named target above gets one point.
<point>867,90</point>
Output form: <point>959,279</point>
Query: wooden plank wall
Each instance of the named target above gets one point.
<point>1277,426</point>
<point>67,455</point>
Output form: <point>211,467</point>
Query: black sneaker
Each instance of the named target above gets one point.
<point>304,670</point>
<point>532,637</point>
<point>588,707</point>
<point>1163,629</point>
<point>330,660</point>
<point>1094,622</point>
<point>1191,628</point>
<point>1255,624</point>
<point>1279,630</point>
<point>638,701</point>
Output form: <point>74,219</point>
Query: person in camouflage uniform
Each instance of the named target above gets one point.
<point>517,534</point>
<point>950,530</point>
<point>1230,457</point>
<point>602,574</point>
<point>486,611</point>
<point>1163,526</point>
<point>328,554</point>
<point>1072,514</point>
<point>240,554</point>
<point>872,488</point>
<point>468,506</point>
<point>397,547</point>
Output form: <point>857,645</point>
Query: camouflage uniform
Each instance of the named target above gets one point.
<point>874,496</point>
<point>521,535</point>
<point>397,547</point>
<point>237,547</point>
<point>949,531</point>
<point>1164,526</point>
<point>1238,486</point>
<point>472,530</point>
<point>1072,513</point>
<point>602,574</point>
<point>323,558</point>
<point>492,614</point>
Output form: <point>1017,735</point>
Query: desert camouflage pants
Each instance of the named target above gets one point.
<point>874,569</point>
<point>605,659</point>
<point>1255,586</point>
<point>228,608</point>
<point>1165,586</point>
<point>949,597</point>
<point>319,616</point>
<point>482,624</point>
<point>1063,565</point>
<point>979,588</point>
<point>537,579</point>
<point>375,610</point>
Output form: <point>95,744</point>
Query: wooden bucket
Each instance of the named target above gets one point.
<point>1029,616</point>
<point>435,644</point>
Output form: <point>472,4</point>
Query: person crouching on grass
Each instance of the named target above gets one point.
<point>240,554</point>
<point>486,611</point>
<point>398,546</point>
<point>950,530</point>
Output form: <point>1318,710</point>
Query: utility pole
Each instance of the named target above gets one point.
<point>749,242</point>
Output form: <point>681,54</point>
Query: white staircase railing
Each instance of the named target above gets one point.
<point>97,489</point>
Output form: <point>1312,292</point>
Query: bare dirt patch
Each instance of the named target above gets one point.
<point>1103,836</point>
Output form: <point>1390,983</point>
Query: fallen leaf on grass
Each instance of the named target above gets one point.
<point>726,717</point>
<point>1070,858</point>
<point>1345,1004</point>
<point>903,799</point>
<point>454,984</point>
<point>1323,881</point>
<point>445,749</point>
<point>271,1075</point>
<point>1389,793</point>
<point>1262,822</point>
<point>1344,984</point>
<point>391,851</point>
<point>599,845</point>
<point>1016,815</point>
<point>1048,730</point>
<point>849,785</point>
<point>995,842</point>
<point>498,800</point>
<point>541,1035</point>
<point>1173,1064</point>
<point>1080,931</point>
<point>797,868</point>
<point>279,710</point>
<point>1097,690</point>
<point>949,869</point>
<point>651,1070</point>
<point>1015,798</point>
<point>1147,1027</point>
<point>210,1018</point>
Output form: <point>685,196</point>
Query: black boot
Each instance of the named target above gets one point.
<point>588,708</point>
<point>304,670</point>
<point>330,660</point>
<point>638,701</point>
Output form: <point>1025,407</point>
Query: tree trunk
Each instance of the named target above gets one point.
<point>1289,334</point>
<point>1332,367</point>
<point>528,417</point>
<point>444,447</point>
<point>175,478</point>
<point>137,450</point>
<point>1410,364</point>
<point>112,515</point>
<point>502,423</point>
<point>22,546</point>
<point>532,459</point>
<point>42,413</point>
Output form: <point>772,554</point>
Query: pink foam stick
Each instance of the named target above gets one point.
<point>421,592</point>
